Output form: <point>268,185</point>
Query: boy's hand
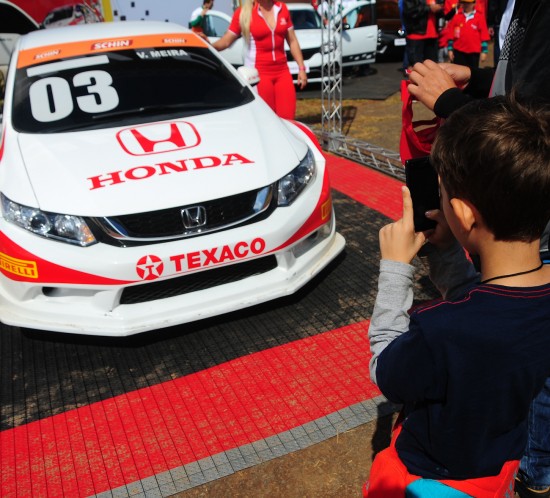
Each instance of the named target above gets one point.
<point>441,236</point>
<point>399,241</point>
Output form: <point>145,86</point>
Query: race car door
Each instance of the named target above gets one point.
<point>359,34</point>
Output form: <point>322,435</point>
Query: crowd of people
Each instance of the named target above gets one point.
<point>441,30</point>
<point>472,370</point>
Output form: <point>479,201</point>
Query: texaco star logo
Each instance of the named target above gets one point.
<point>150,267</point>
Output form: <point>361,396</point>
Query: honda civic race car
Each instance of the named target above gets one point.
<point>144,184</point>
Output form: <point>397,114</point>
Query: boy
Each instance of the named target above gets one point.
<point>467,368</point>
<point>468,35</point>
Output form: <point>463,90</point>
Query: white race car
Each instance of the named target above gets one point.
<point>144,184</point>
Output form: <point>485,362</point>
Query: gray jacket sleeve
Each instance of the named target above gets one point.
<point>450,271</point>
<point>390,317</point>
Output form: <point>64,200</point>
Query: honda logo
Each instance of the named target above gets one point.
<point>158,137</point>
<point>193,217</point>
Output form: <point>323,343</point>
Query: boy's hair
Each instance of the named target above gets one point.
<point>495,153</point>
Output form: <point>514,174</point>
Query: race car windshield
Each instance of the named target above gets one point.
<point>123,87</point>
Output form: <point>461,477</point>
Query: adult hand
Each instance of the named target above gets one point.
<point>302,79</point>
<point>399,241</point>
<point>428,80</point>
<point>451,55</point>
<point>460,74</point>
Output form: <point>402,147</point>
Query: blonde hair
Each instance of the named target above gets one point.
<point>245,17</point>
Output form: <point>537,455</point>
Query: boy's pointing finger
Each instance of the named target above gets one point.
<point>408,216</point>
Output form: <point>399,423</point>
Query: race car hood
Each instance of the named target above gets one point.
<point>158,165</point>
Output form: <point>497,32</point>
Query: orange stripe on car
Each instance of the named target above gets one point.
<point>49,53</point>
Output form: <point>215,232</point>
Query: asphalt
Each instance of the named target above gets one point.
<point>375,82</point>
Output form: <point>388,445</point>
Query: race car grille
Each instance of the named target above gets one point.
<point>186,220</point>
<point>197,281</point>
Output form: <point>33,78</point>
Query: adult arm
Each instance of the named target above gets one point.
<point>296,51</point>
<point>197,21</point>
<point>232,33</point>
<point>225,41</point>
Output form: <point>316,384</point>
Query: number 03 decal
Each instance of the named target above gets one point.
<point>51,98</point>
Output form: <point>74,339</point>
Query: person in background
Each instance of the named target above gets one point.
<point>328,11</point>
<point>468,36</point>
<point>405,64</point>
<point>421,28</point>
<point>467,368</point>
<point>495,10</point>
<point>198,18</point>
<point>265,25</point>
<point>444,36</point>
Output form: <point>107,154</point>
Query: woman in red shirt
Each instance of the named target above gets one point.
<point>265,25</point>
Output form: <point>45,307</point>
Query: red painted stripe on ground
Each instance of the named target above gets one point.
<point>142,433</point>
<point>373,189</point>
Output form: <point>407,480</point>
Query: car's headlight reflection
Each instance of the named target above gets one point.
<point>61,227</point>
<point>291,185</point>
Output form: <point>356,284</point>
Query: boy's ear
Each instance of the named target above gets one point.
<point>466,214</point>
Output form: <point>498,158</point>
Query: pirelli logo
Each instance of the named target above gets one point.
<point>18,267</point>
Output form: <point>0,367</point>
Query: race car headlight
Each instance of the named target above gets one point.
<point>62,227</point>
<point>291,185</point>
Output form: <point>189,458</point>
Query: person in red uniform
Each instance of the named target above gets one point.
<point>468,36</point>
<point>265,25</point>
